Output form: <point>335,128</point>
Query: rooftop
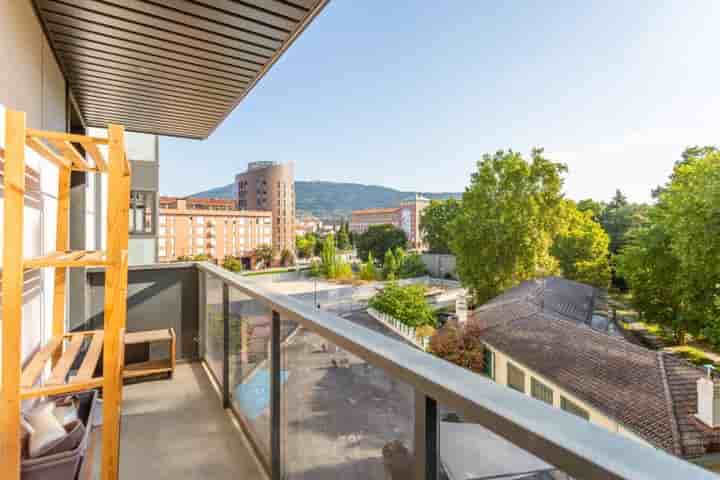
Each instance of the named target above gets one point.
<point>543,324</point>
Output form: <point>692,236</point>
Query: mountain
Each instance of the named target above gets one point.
<point>333,199</point>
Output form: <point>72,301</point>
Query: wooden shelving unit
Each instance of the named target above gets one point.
<point>152,367</point>
<point>63,349</point>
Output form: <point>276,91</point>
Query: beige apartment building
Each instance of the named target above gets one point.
<point>406,216</point>
<point>210,226</point>
<point>270,186</point>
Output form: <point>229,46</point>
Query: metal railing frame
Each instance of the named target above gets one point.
<point>575,446</point>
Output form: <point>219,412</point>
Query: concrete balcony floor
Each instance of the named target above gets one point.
<point>177,428</point>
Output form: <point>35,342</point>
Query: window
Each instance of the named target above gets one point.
<point>541,391</point>
<point>489,363</point>
<point>574,408</point>
<point>515,378</point>
<point>142,212</point>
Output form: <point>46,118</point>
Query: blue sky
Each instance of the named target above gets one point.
<point>410,94</point>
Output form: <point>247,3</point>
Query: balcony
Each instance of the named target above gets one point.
<point>269,387</point>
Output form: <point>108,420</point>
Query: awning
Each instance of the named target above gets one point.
<point>169,67</point>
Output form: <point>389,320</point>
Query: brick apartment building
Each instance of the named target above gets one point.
<point>406,216</point>
<point>210,226</point>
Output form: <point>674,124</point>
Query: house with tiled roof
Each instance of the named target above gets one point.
<point>545,339</point>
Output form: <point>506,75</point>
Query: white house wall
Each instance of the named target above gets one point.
<point>32,82</point>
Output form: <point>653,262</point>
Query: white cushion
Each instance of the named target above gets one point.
<point>46,428</point>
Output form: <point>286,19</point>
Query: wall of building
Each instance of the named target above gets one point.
<point>216,233</point>
<point>159,296</point>
<point>271,188</point>
<point>361,220</point>
<point>439,265</point>
<point>32,82</point>
<point>596,416</point>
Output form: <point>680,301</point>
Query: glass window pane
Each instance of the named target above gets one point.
<point>214,328</point>
<point>515,378</point>
<point>250,335</point>
<point>541,391</point>
<point>340,413</point>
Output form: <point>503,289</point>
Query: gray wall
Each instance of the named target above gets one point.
<point>440,265</point>
<point>159,296</point>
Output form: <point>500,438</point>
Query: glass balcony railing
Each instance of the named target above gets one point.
<point>321,396</point>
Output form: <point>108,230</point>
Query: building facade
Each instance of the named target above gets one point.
<point>270,187</point>
<point>406,216</point>
<point>212,227</point>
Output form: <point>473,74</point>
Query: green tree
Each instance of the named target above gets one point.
<point>406,303</point>
<point>508,217</point>
<point>328,257</point>
<point>435,222</point>
<point>581,247</point>
<point>671,262</point>
<point>412,266</point>
<point>343,237</point>
<point>305,245</point>
<point>232,264</point>
<point>367,270</point>
<point>692,203</point>
<point>595,208</point>
<point>390,267</point>
<point>650,268</point>
<point>378,239</point>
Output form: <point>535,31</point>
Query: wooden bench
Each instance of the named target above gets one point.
<point>151,367</point>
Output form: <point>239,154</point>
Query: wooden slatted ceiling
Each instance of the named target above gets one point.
<point>173,68</point>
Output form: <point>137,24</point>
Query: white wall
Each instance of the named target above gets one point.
<point>597,417</point>
<point>31,81</point>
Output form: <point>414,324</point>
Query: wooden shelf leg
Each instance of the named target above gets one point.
<point>61,245</point>
<point>115,300</point>
<point>12,294</point>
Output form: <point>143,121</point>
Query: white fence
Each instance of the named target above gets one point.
<point>407,332</point>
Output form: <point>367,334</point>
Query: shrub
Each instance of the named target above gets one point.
<point>406,303</point>
<point>412,266</point>
<point>232,264</point>
<point>367,270</point>
<point>460,345</point>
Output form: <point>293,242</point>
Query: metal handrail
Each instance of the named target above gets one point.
<point>577,447</point>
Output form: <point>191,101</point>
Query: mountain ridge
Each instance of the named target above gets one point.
<point>326,199</point>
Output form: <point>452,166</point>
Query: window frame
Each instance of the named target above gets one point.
<point>538,390</point>
<point>573,408</point>
<point>154,214</point>
<point>511,368</point>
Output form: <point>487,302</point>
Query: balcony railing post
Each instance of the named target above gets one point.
<point>426,437</point>
<point>226,345</point>
<point>275,385</point>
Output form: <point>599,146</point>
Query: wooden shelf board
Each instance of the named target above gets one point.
<point>67,137</point>
<point>79,258</point>
<point>148,336</point>
<point>152,367</point>
<point>60,389</point>
<point>57,384</point>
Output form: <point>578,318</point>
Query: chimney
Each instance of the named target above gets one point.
<point>708,393</point>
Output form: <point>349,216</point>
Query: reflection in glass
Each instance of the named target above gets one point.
<point>339,413</point>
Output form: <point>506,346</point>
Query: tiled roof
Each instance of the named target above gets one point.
<point>545,325</point>
<point>369,211</point>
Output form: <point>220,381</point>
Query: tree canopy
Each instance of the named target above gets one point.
<point>378,239</point>
<point>581,246</point>
<point>507,220</point>
<point>435,222</point>
<point>672,263</point>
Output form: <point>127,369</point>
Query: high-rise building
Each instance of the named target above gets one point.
<point>270,186</point>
